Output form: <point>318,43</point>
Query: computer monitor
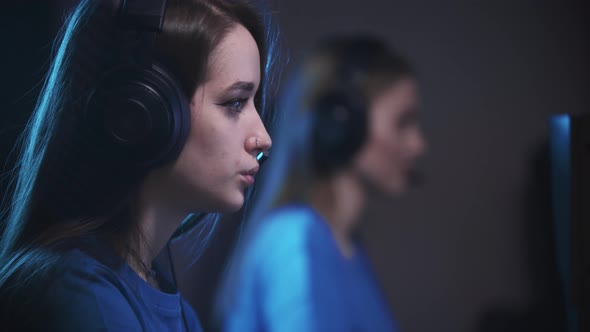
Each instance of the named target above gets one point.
<point>570,174</point>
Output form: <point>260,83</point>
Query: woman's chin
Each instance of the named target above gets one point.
<point>393,187</point>
<point>231,204</point>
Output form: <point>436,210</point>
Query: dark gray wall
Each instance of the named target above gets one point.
<point>491,74</point>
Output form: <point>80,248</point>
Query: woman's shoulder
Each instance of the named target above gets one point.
<point>88,263</point>
<point>87,291</point>
<point>79,266</point>
<point>298,219</point>
<point>66,291</point>
<point>288,230</point>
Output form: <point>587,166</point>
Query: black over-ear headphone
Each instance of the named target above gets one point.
<point>338,130</point>
<point>340,114</point>
<point>138,112</point>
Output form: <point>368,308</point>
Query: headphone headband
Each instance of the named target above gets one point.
<point>137,110</point>
<point>146,15</point>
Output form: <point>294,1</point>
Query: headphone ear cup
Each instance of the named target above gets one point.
<point>138,116</point>
<point>339,130</point>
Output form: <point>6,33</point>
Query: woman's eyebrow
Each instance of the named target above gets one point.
<point>240,85</point>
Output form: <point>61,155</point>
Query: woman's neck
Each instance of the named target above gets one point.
<point>157,218</point>
<point>339,200</point>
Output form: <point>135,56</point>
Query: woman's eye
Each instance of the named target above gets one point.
<point>235,105</point>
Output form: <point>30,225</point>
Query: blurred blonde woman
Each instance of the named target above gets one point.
<point>349,126</point>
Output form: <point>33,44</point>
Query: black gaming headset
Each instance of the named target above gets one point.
<point>138,111</point>
<point>340,114</point>
<point>338,130</point>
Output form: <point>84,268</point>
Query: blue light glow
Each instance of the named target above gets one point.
<point>560,131</point>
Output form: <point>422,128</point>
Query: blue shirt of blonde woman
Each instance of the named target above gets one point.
<point>293,278</point>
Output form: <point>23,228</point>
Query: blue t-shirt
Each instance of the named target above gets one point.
<point>293,278</point>
<point>96,290</point>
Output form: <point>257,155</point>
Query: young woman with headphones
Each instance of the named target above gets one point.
<point>152,111</point>
<point>349,127</point>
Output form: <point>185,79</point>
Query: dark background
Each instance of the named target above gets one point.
<point>472,248</point>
